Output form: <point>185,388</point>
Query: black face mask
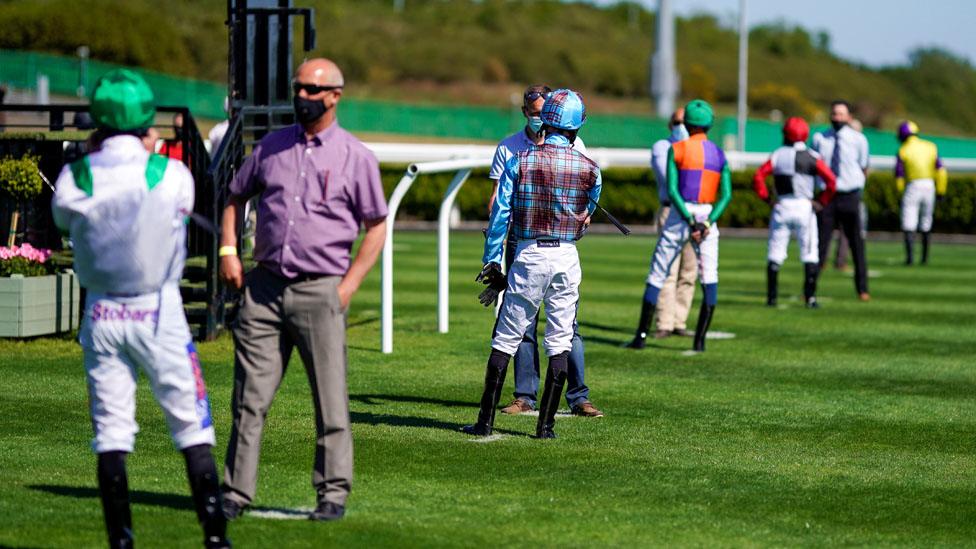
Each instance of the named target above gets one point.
<point>837,125</point>
<point>308,111</point>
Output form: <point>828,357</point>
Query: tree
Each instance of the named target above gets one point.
<point>20,182</point>
<point>940,83</point>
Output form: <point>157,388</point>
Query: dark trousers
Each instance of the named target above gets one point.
<point>844,211</point>
<point>527,369</point>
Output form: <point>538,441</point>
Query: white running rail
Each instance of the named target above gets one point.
<point>463,168</point>
<point>462,159</point>
<point>403,153</point>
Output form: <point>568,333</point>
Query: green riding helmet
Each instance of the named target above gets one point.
<point>122,101</point>
<point>699,113</point>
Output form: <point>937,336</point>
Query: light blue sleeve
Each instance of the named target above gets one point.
<point>595,192</point>
<point>580,147</point>
<point>498,163</point>
<point>501,213</point>
<point>816,146</point>
<point>659,163</point>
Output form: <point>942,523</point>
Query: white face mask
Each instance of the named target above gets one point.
<point>679,133</point>
<point>535,123</point>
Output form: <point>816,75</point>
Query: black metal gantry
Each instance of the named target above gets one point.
<point>259,75</point>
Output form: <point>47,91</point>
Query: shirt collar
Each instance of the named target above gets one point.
<point>122,143</point>
<point>557,139</point>
<point>698,136</point>
<point>321,137</point>
<point>800,145</point>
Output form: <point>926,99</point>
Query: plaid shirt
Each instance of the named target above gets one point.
<point>544,192</point>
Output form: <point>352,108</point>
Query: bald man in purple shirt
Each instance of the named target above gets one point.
<point>317,186</point>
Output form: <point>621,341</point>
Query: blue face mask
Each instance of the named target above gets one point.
<point>535,123</point>
<point>679,133</point>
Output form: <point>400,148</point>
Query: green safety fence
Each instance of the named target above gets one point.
<point>205,100</point>
<point>21,69</point>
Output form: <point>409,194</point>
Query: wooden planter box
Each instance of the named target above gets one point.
<point>38,305</point>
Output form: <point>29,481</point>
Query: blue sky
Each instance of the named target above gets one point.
<point>876,32</point>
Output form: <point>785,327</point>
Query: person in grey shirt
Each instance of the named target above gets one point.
<point>845,150</point>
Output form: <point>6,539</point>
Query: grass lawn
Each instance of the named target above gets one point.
<point>854,424</point>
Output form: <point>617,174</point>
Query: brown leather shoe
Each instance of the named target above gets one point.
<point>518,406</point>
<point>864,296</point>
<point>661,334</point>
<point>683,332</point>
<point>587,409</point>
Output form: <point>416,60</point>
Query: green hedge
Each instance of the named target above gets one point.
<point>20,178</point>
<point>631,195</point>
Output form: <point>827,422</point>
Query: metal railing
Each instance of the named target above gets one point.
<point>604,156</point>
<point>226,160</point>
<point>197,159</point>
<point>463,168</point>
<point>260,120</point>
<point>462,159</point>
<point>35,124</point>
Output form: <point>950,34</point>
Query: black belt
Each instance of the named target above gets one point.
<point>301,277</point>
<point>846,193</point>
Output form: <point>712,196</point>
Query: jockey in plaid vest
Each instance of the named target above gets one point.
<point>547,193</point>
<point>553,185</point>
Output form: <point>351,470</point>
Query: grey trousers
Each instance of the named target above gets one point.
<point>275,317</point>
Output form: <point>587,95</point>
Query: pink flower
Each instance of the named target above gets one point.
<point>26,251</point>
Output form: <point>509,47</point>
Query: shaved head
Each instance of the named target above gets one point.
<point>316,81</point>
<point>319,71</point>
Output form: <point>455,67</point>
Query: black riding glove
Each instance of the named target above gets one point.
<point>491,276</point>
<point>698,226</point>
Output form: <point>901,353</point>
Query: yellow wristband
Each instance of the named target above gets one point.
<point>227,250</point>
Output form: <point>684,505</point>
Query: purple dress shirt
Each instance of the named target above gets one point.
<point>315,193</point>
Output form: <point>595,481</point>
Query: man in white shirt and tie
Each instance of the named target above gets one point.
<point>846,152</point>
